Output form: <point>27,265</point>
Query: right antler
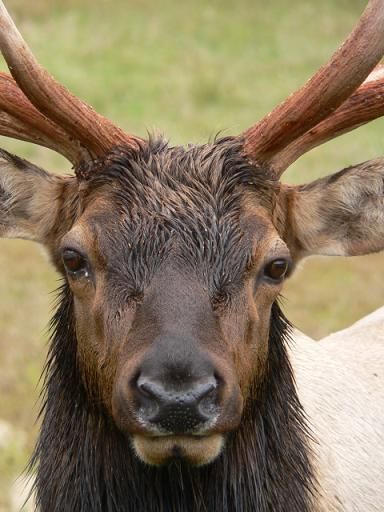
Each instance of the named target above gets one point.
<point>365,105</point>
<point>322,94</point>
<point>85,129</point>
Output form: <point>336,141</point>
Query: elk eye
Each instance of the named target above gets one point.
<point>74,262</point>
<point>276,269</point>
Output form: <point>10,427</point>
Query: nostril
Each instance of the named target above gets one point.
<point>207,402</point>
<point>146,389</point>
<point>151,390</point>
<point>205,389</point>
<point>149,397</point>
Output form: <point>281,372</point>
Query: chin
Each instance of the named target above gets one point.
<point>194,450</point>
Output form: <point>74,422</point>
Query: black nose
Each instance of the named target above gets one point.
<point>177,409</point>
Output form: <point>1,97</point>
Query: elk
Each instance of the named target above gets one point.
<point>170,381</point>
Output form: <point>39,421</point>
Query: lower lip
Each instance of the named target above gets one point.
<point>196,450</point>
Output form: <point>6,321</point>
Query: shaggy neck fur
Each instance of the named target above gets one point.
<point>85,464</point>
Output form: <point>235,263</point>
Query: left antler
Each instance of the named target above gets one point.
<point>323,93</point>
<point>19,119</point>
<point>81,123</point>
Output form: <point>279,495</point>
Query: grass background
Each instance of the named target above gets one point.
<point>188,69</point>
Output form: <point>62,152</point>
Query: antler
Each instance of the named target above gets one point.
<point>365,105</point>
<point>19,119</point>
<point>323,93</point>
<point>77,124</point>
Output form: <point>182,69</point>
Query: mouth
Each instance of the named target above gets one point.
<point>195,450</point>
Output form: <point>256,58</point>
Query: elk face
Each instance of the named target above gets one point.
<point>174,264</point>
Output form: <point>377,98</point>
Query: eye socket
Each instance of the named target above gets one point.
<point>276,269</point>
<point>74,262</point>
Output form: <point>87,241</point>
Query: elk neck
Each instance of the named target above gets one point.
<point>84,463</point>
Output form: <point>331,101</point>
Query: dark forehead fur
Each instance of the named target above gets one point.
<point>180,201</point>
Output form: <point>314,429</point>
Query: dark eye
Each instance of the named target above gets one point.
<point>74,262</point>
<point>276,269</point>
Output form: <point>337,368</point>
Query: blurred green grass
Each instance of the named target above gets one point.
<point>188,70</point>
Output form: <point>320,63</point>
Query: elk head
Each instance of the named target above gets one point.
<point>174,257</point>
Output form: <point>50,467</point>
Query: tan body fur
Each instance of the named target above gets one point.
<point>340,384</point>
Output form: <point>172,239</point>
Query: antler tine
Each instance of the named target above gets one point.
<point>21,120</point>
<point>324,92</point>
<point>79,120</point>
<point>365,105</point>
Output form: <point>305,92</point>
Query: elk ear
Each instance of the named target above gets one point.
<point>340,215</point>
<point>30,199</point>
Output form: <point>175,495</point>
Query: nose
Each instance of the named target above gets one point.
<point>177,409</point>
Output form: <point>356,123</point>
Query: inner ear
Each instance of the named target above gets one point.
<point>339,215</point>
<point>34,204</point>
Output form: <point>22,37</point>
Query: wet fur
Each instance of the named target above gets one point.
<point>85,464</point>
<point>189,196</point>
